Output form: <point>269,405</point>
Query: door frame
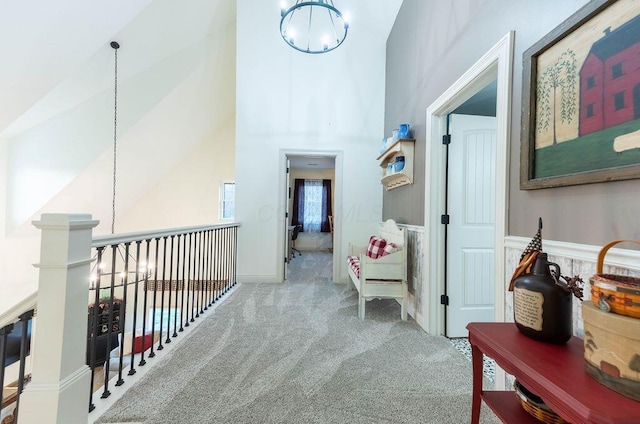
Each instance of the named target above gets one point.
<point>337,155</point>
<point>497,63</point>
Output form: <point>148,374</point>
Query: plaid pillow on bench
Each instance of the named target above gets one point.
<point>376,247</point>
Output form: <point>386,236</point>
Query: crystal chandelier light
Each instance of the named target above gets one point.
<point>313,26</point>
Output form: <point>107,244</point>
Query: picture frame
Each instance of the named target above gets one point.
<point>581,99</point>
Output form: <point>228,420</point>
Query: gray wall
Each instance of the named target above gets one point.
<point>433,42</point>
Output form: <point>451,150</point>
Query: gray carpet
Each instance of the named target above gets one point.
<point>297,353</point>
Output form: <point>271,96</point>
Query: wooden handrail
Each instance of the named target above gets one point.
<point>12,314</point>
<point>112,239</point>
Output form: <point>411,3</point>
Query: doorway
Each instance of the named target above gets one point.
<point>496,65</point>
<point>316,167</point>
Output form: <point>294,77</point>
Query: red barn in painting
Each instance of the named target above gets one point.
<point>610,79</point>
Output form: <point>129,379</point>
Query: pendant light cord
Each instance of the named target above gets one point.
<point>115,46</point>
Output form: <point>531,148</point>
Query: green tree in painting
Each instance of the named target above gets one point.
<point>560,76</point>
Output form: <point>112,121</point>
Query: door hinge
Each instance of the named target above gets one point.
<point>285,259</point>
<point>444,219</point>
<point>444,300</point>
<point>446,139</point>
<point>289,192</point>
<point>286,214</point>
<point>287,169</point>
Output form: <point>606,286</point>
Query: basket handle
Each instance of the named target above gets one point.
<point>606,248</point>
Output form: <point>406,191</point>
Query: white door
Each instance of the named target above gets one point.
<point>470,233</point>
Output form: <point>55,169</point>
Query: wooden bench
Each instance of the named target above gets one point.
<point>383,277</point>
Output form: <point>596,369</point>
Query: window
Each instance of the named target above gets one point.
<point>618,100</point>
<point>227,200</point>
<point>616,70</point>
<point>590,110</point>
<point>591,82</point>
<point>312,205</point>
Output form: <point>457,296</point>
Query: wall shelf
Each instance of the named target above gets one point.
<point>393,179</point>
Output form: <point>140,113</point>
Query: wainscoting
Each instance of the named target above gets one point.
<point>415,273</point>
<point>573,259</point>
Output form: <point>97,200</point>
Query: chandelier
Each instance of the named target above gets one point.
<point>313,26</point>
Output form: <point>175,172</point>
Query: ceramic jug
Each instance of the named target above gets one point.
<point>542,303</point>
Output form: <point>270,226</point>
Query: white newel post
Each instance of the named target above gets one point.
<point>59,390</point>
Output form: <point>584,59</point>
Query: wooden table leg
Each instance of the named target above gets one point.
<point>476,359</point>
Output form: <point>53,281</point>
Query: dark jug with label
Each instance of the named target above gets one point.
<point>542,303</point>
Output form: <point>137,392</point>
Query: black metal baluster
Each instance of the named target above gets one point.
<point>168,340</point>
<point>144,308</point>
<point>209,263</point>
<point>132,369</point>
<point>215,256</point>
<point>199,274</point>
<point>212,283</point>
<point>219,255</point>
<point>155,295</point>
<point>92,323</point>
<point>164,268</point>
<point>214,264</point>
<point>123,314</point>
<point>225,263</point>
<point>4,333</point>
<point>235,253</point>
<point>190,283</point>
<point>107,365</point>
<point>25,319</point>
<point>185,282</point>
<point>175,315</point>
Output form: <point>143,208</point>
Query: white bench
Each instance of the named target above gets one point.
<point>384,277</point>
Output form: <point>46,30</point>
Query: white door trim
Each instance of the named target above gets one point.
<point>496,63</point>
<point>337,203</point>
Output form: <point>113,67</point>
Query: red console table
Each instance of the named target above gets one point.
<point>556,373</point>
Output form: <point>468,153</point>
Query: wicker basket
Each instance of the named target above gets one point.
<point>615,293</point>
<point>536,406</point>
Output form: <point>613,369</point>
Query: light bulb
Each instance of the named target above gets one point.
<point>346,17</point>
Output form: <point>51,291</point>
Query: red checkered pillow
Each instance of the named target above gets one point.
<point>390,248</point>
<point>376,246</point>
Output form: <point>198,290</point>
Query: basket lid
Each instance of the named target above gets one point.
<point>619,283</point>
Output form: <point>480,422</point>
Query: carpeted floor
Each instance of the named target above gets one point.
<point>297,353</point>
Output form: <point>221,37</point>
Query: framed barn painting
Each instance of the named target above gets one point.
<point>581,99</point>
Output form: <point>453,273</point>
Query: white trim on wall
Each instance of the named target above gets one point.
<point>497,63</point>
<point>620,258</point>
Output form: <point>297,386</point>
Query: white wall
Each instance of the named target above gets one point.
<point>291,100</point>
